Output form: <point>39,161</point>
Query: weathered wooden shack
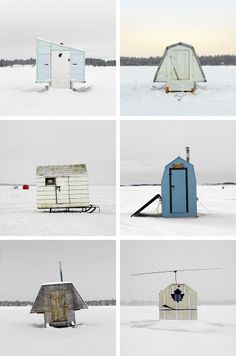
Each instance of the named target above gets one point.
<point>58,302</point>
<point>63,187</point>
<point>179,68</point>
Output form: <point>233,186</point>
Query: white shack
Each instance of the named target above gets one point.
<point>63,186</point>
<point>179,68</point>
<point>58,65</point>
<point>178,302</point>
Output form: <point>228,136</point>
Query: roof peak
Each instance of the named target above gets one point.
<point>180,44</point>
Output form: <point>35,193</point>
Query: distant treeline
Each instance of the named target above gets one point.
<point>15,303</point>
<point>95,62</point>
<point>138,303</point>
<point>101,302</point>
<point>12,62</point>
<point>23,303</point>
<point>227,60</point>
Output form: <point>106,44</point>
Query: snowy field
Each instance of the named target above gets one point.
<point>213,334</point>
<point>140,96</point>
<point>22,333</point>
<point>19,215</point>
<point>216,213</point>
<point>20,95</point>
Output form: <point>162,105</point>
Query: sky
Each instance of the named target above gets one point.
<point>88,25</point>
<point>148,145</point>
<point>147,256</point>
<point>25,265</point>
<point>148,26</point>
<point>25,144</point>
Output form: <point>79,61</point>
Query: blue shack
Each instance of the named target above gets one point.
<point>58,65</point>
<point>178,189</point>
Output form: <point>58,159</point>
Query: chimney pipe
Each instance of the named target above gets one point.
<point>61,275</point>
<point>188,154</point>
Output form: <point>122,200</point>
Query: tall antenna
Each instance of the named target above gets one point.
<point>175,271</point>
<point>61,275</point>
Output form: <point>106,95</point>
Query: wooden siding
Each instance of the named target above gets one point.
<point>69,191</point>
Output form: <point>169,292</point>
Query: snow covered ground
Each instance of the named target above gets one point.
<point>22,333</point>
<point>19,215</point>
<point>216,213</point>
<point>213,334</point>
<point>20,95</point>
<point>140,96</point>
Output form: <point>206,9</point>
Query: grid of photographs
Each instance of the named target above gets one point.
<point>117,178</point>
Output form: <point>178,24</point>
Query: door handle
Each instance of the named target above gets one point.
<point>58,188</point>
<point>172,186</point>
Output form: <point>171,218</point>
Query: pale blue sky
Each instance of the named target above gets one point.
<point>148,26</point>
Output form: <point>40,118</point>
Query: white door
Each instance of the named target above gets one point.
<point>61,69</point>
<point>180,65</point>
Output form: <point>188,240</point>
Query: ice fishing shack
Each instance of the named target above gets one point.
<point>178,302</point>
<point>58,65</point>
<point>179,68</point>
<point>178,188</point>
<point>58,302</point>
<point>63,187</point>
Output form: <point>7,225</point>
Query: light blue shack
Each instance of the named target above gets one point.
<point>58,65</point>
<point>178,189</point>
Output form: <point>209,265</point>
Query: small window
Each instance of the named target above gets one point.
<point>50,181</point>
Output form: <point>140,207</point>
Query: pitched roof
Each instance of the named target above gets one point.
<point>42,302</point>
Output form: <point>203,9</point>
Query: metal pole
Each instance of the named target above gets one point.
<point>187,154</point>
<point>175,277</point>
<point>61,275</point>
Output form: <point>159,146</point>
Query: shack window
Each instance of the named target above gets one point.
<point>50,181</point>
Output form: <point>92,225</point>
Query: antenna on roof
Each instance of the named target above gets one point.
<point>61,275</point>
<point>175,271</point>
